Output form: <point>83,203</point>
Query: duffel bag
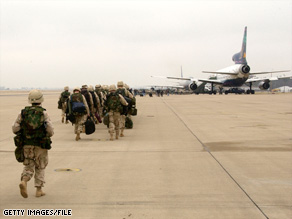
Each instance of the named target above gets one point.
<point>128,123</point>
<point>89,126</point>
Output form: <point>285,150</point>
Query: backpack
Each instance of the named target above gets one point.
<point>33,122</point>
<point>64,96</point>
<point>114,103</point>
<point>77,103</point>
<point>34,127</point>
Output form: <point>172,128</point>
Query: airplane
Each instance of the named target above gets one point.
<point>186,83</point>
<point>239,74</point>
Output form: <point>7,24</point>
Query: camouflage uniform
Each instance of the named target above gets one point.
<point>100,96</point>
<point>64,97</point>
<point>36,157</point>
<point>96,104</point>
<point>80,118</point>
<point>125,93</point>
<point>114,104</point>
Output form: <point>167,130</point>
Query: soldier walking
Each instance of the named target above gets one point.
<point>113,103</point>
<point>63,99</point>
<point>79,108</point>
<point>36,128</point>
<point>126,94</point>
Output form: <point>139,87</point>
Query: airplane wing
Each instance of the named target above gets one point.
<point>167,86</point>
<point>221,73</point>
<point>185,79</point>
<point>176,78</point>
<point>256,73</point>
<point>210,81</point>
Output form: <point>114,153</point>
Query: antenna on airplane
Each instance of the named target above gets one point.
<point>181,72</point>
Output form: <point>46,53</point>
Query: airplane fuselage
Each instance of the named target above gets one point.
<point>237,79</point>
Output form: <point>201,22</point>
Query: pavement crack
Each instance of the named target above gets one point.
<point>212,155</point>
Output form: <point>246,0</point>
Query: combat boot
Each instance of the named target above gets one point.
<point>62,119</point>
<point>122,133</point>
<point>117,135</point>
<point>23,187</point>
<point>39,192</point>
<point>112,137</point>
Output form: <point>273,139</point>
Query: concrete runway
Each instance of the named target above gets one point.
<point>188,156</point>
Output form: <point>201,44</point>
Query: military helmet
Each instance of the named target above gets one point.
<point>76,88</point>
<point>84,86</point>
<point>35,96</point>
<point>66,88</point>
<point>120,84</point>
<point>90,88</point>
<point>127,87</point>
<point>112,87</point>
<point>98,86</point>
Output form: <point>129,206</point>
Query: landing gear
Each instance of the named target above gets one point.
<point>212,90</point>
<point>250,91</point>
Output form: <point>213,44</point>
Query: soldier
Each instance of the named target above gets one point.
<point>125,93</point>
<point>36,128</point>
<point>88,97</point>
<point>114,102</point>
<point>63,99</point>
<point>99,93</point>
<point>96,104</point>
<point>79,108</point>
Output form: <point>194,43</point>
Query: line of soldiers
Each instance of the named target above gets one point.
<point>113,104</point>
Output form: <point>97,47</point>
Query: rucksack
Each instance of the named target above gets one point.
<point>114,103</point>
<point>77,103</point>
<point>64,96</point>
<point>33,122</point>
<point>34,127</point>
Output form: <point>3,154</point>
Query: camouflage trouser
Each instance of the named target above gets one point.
<point>36,160</point>
<point>100,111</point>
<point>80,120</point>
<point>122,122</point>
<point>114,123</point>
<point>64,107</point>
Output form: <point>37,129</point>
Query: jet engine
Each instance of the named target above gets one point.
<point>264,85</point>
<point>193,86</point>
<point>244,69</point>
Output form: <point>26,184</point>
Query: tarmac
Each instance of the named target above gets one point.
<point>187,157</point>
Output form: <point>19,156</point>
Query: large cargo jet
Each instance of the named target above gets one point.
<point>239,74</point>
<point>186,83</point>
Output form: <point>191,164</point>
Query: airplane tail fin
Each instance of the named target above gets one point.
<point>240,58</point>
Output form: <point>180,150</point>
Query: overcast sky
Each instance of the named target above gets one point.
<point>54,43</point>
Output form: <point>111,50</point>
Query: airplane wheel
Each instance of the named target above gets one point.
<point>252,91</point>
<point>248,92</point>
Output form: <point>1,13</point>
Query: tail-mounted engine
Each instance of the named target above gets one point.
<point>244,69</point>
